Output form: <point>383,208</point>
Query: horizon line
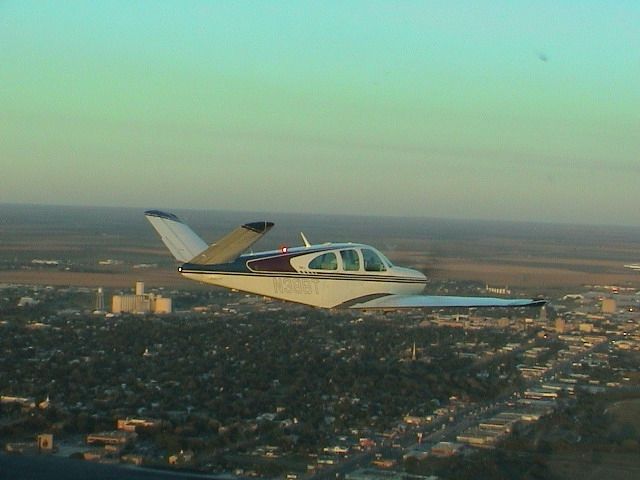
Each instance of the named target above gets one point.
<point>324,214</point>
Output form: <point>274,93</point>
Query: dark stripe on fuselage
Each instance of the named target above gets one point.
<point>318,276</point>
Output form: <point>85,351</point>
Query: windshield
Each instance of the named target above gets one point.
<point>372,261</point>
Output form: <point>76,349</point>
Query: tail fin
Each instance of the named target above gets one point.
<point>229,247</point>
<point>186,246</point>
<point>183,243</point>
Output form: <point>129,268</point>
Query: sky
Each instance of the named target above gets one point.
<point>503,110</point>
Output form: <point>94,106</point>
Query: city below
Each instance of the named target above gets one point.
<point>190,381</point>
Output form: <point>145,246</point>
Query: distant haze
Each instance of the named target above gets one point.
<point>502,110</point>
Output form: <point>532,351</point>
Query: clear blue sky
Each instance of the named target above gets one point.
<point>483,109</point>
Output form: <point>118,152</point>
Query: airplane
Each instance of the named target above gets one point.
<point>329,275</point>
<point>633,266</point>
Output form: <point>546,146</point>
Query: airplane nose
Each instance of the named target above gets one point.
<point>409,272</point>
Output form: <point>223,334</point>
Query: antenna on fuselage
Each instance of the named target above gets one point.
<point>304,239</point>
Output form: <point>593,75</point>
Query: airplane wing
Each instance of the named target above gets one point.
<point>229,247</point>
<point>393,302</point>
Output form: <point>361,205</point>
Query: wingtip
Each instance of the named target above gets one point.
<point>161,214</point>
<point>259,227</point>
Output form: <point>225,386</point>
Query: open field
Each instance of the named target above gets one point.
<point>533,256</point>
<point>524,275</point>
<point>156,278</point>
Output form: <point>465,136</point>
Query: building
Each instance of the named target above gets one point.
<point>561,325</point>
<point>477,437</point>
<point>162,305</point>
<point>586,327</point>
<point>24,402</point>
<point>503,322</point>
<point>131,424</point>
<point>27,302</point>
<point>111,438</point>
<point>543,314</point>
<point>609,305</point>
<point>100,300</point>
<point>141,302</point>
<point>541,393</point>
<point>415,420</point>
<point>45,442</point>
<point>446,449</point>
<point>497,290</point>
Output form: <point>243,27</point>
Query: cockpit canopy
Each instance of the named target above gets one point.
<point>351,260</point>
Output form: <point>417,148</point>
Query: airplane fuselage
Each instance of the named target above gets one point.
<point>328,276</point>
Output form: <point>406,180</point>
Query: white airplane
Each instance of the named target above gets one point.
<point>633,266</point>
<point>330,275</point>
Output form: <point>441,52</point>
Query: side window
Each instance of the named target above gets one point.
<point>350,260</point>
<point>372,262</point>
<point>326,261</point>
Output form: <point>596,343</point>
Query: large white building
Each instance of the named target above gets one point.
<point>141,302</point>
